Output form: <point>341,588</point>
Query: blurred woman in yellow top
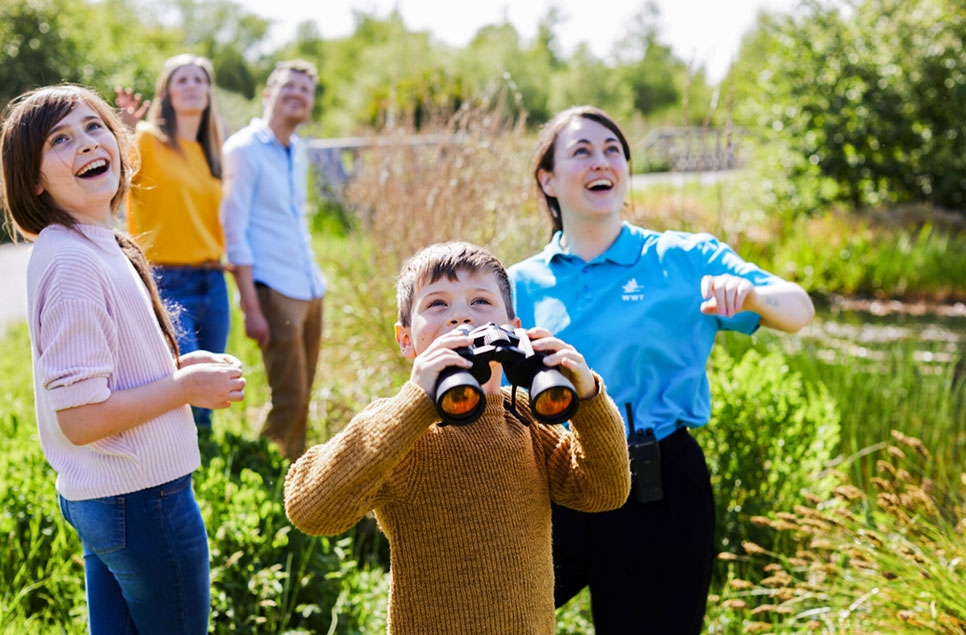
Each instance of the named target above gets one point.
<point>172,206</point>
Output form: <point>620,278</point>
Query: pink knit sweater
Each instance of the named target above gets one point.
<point>93,331</point>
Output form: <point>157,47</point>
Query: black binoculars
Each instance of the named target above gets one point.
<point>459,395</point>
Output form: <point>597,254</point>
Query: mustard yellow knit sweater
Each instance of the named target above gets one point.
<point>466,509</point>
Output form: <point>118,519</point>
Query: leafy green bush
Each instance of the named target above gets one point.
<point>769,438</point>
<point>863,102</point>
<point>843,254</point>
<point>267,577</point>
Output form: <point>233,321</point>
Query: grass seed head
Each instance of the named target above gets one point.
<point>752,548</point>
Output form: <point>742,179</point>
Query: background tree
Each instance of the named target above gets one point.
<point>863,101</point>
<point>53,41</point>
<point>41,42</point>
<point>647,65</point>
<point>496,58</point>
<point>383,74</point>
<point>232,46</point>
<point>586,79</point>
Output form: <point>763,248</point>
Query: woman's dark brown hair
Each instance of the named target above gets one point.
<point>546,145</point>
<point>27,120</point>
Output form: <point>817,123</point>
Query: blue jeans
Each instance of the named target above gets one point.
<point>203,321</point>
<point>145,561</point>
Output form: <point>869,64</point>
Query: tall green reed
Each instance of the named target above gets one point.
<point>891,558</point>
<point>885,377</point>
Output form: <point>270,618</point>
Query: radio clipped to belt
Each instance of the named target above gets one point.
<point>645,453</point>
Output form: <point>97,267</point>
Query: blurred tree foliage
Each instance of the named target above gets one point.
<point>858,98</point>
<point>50,41</point>
<point>382,73</point>
<point>863,101</point>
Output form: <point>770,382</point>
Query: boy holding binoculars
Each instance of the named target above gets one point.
<point>466,508</point>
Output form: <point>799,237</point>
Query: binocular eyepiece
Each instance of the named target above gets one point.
<point>459,396</point>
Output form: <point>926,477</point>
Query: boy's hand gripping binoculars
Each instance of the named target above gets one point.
<point>459,396</point>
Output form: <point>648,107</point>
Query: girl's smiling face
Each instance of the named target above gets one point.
<point>590,175</point>
<point>80,167</point>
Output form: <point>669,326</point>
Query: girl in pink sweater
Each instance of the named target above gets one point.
<point>112,393</point>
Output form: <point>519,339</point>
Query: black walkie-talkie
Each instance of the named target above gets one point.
<point>645,456</point>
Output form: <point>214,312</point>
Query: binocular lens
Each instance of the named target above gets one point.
<point>553,402</point>
<point>459,395</point>
<point>460,400</point>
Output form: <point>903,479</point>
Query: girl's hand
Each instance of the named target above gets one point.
<point>211,385</point>
<point>566,359</point>
<point>207,357</point>
<point>726,295</point>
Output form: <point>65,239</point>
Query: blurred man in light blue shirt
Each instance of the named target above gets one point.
<point>268,245</point>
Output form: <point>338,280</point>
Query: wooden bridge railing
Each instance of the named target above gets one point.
<point>684,149</point>
<point>695,149</point>
<point>337,160</point>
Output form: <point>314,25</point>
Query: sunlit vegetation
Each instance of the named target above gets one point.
<point>836,454</point>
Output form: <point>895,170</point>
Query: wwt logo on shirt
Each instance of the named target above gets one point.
<point>632,292</point>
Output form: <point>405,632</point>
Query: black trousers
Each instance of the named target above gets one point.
<point>648,565</point>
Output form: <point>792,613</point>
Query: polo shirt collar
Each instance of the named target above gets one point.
<point>624,251</point>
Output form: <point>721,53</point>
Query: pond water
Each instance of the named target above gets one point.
<point>871,330</point>
<point>888,368</point>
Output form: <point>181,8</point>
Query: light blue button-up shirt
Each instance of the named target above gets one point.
<point>634,313</point>
<point>263,211</point>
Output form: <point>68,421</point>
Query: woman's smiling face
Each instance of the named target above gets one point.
<point>590,175</point>
<point>188,89</point>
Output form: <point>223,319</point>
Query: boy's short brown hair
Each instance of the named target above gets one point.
<point>447,259</point>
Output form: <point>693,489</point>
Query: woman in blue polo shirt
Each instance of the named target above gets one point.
<point>644,308</point>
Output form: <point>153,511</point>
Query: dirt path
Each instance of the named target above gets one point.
<point>13,283</point>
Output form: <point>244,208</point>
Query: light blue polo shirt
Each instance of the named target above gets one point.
<point>634,313</point>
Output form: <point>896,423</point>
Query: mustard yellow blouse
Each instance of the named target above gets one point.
<point>172,206</point>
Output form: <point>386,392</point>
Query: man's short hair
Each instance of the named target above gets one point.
<point>297,66</point>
